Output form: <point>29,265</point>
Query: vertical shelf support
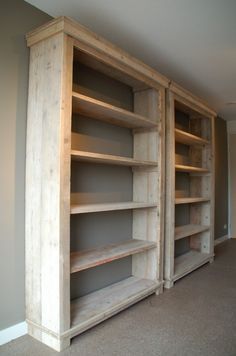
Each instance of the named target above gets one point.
<point>48,191</point>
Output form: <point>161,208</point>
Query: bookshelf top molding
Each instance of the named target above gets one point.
<point>83,37</point>
<point>189,100</point>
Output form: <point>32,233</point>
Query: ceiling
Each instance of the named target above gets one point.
<point>191,42</point>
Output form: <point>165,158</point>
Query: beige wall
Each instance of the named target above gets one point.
<point>16,18</point>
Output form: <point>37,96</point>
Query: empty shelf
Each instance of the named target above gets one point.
<point>189,261</point>
<point>190,169</point>
<point>95,257</point>
<point>108,159</point>
<point>190,200</point>
<point>99,110</point>
<point>93,208</point>
<point>95,307</point>
<point>189,139</point>
<point>188,230</point>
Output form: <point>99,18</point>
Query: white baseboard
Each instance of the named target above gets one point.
<point>221,239</point>
<point>13,332</point>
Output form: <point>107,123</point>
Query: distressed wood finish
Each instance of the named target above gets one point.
<point>86,259</point>
<point>170,191</point>
<point>109,159</point>
<point>106,112</point>
<point>148,185</point>
<point>188,230</point>
<point>93,308</point>
<point>188,262</point>
<point>196,168</point>
<point>99,48</point>
<point>48,190</point>
<point>53,99</point>
<point>190,169</point>
<point>189,139</point>
<point>95,208</point>
<point>191,200</point>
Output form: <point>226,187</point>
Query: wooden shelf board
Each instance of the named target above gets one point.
<point>190,169</point>
<point>188,262</point>
<point>188,230</point>
<point>99,110</point>
<point>109,159</point>
<point>95,307</point>
<point>95,257</point>
<point>101,255</point>
<point>99,207</point>
<point>188,138</point>
<point>190,200</point>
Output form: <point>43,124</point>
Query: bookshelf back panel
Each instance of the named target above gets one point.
<point>99,229</point>
<point>182,246</point>
<point>182,214</point>
<point>96,136</point>
<point>90,280</point>
<point>99,86</point>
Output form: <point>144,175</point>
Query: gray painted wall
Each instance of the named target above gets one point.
<point>16,19</point>
<point>232,168</point>
<point>221,178</point>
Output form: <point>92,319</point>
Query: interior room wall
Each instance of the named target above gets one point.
<point>221,178</point>
<point>231,128</point>
<point>16,19</point>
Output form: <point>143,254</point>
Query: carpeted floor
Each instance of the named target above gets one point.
<point>196,317</point>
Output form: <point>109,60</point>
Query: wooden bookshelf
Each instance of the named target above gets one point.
<point>129,101</point>
<point>189,184</point>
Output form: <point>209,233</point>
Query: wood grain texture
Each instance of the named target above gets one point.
<point>170,189</point>
<point>188,262</point>
<point>109,52</point>
<point>191,200</point>
<point>109,159</point>
<point>189,139</point>
<point>49,202</point>
<point>147,186</point>
<point>190,169</point>
<point>188,230</point>
<point>191,101</point>
<point>199,192</point>
<point>95,257</point>
<point>93,208</point>
<point>47,187</point>
<point>106,112</point>
<point>100,305</point>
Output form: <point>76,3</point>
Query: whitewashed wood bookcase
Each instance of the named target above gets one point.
<point>189,214</point>
<point>59,149</point>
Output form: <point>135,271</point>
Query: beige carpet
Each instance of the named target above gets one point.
<point>196,317</point>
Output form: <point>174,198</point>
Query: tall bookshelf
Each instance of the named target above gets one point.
<point>94,181</point>
<point>189,216</point>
